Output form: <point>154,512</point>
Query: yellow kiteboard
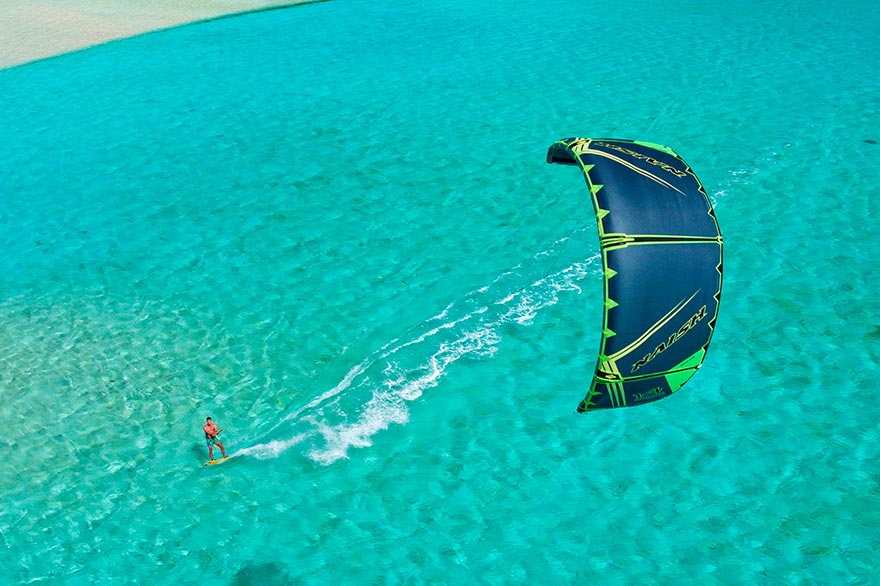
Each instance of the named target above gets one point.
<point>218,461</point>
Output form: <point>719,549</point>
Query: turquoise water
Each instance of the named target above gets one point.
<point>332,229</point>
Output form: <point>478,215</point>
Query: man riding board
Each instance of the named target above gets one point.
<point>211,433</point>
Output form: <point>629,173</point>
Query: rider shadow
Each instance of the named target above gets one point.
<point>200,452</point>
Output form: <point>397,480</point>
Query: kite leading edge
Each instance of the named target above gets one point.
<point>662,263</point>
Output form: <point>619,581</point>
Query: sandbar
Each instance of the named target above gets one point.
<point>37,29</point>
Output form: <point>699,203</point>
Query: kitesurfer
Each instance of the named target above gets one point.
<point>211,433</point>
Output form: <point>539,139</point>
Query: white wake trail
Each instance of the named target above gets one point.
<point>374,393</point>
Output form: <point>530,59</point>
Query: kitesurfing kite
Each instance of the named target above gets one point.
<point>661,255</point>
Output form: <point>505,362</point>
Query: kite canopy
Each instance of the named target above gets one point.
<point>661,255</point>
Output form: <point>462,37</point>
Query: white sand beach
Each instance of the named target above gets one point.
<point>36,29</point>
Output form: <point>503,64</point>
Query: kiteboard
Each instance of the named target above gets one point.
<point>218,461</point>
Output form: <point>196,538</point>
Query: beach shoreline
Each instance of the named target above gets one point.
<point>36,30</point>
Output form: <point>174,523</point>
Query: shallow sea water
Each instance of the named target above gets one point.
<point>332,229</point>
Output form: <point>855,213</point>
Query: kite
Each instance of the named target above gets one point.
<point>661,257</point>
